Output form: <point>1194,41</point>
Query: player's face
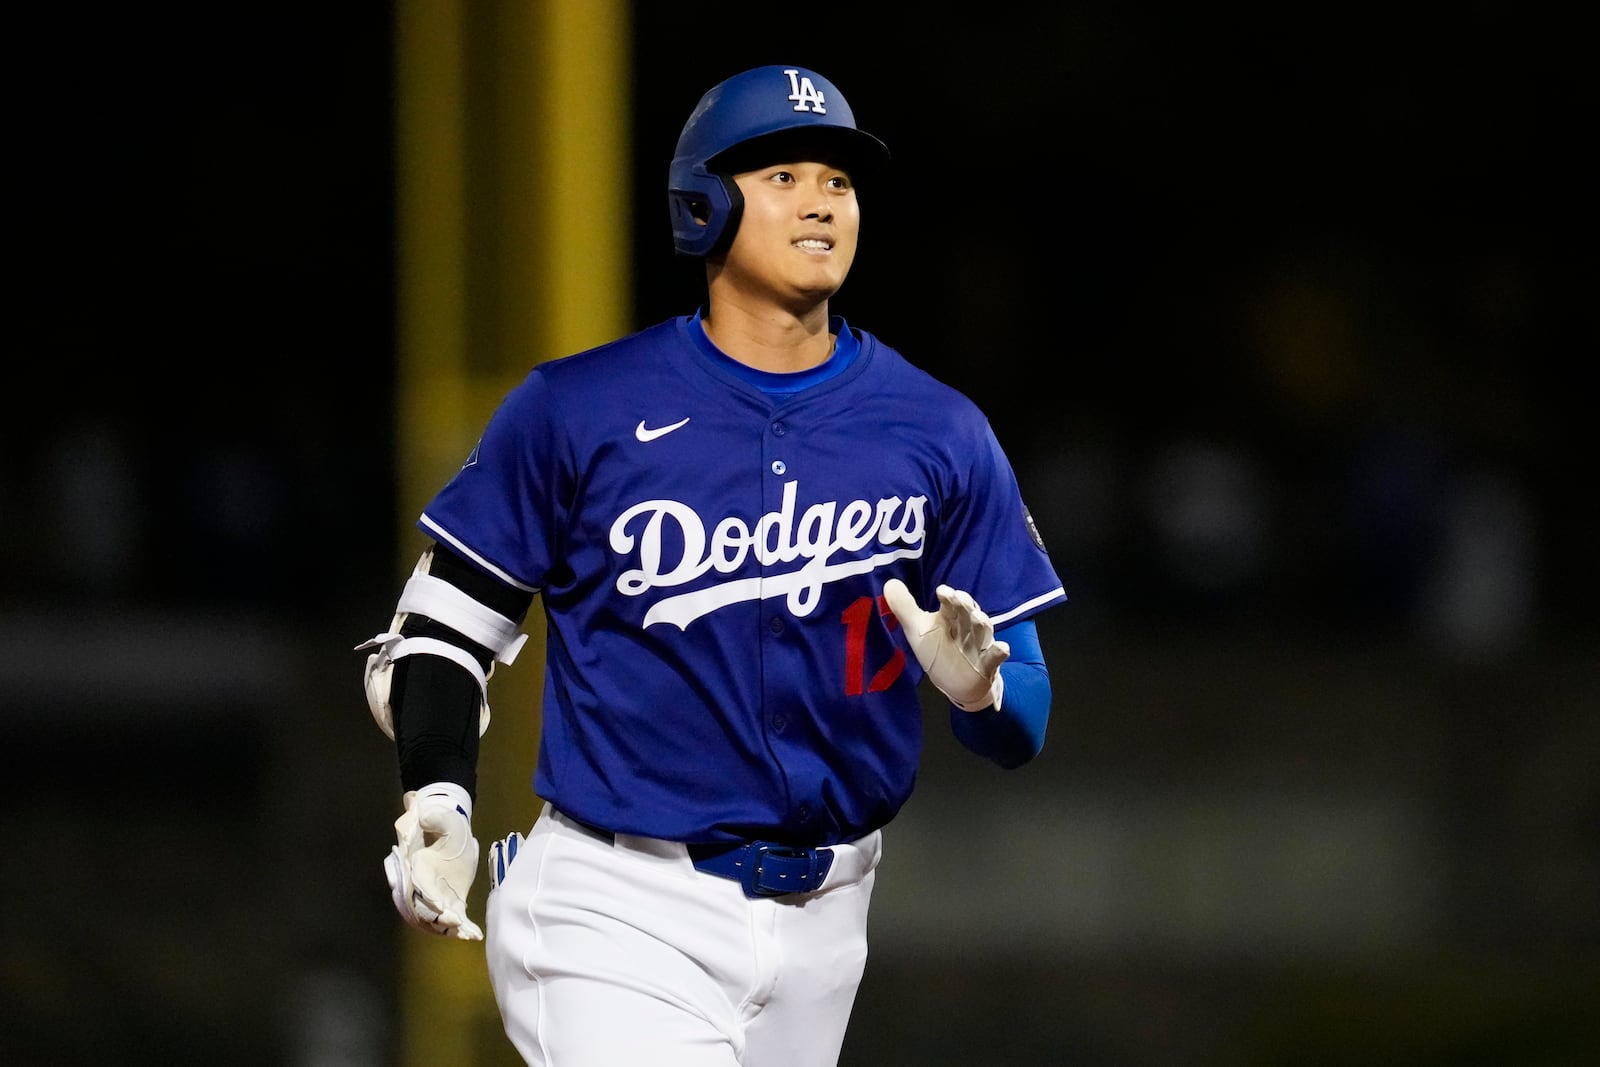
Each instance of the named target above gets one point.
<point>797,236</point>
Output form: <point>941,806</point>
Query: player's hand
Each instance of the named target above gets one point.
<point>431,869</point>
<point>955,645</point>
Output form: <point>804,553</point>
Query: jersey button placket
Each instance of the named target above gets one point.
<point>776,625</point>
<point>779,467</point>
<point>784,733</point>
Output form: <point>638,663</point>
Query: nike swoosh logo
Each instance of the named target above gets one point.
<point>645,434</point>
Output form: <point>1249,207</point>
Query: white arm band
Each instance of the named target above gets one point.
<point>447,604</point>
<point>379,675</point>
<point>443,602</point>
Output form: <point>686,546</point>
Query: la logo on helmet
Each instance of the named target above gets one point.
<point>804,94</point>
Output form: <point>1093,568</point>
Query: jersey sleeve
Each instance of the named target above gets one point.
<point>503,508</point>
<point>987,543</point>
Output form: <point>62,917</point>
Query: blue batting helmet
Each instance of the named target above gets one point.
<point>763,113</point>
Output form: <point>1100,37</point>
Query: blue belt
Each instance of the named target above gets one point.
<point>765,869</point>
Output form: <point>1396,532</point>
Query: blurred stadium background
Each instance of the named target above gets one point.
<point>1281,312</point>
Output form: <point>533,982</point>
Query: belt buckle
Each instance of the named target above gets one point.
<point>770,870</point>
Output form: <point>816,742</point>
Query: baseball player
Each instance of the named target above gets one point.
<point>753,530</point>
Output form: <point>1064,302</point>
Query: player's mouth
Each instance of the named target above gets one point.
<point>814,244</point>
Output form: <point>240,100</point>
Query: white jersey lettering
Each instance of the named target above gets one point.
<point>824,529</point>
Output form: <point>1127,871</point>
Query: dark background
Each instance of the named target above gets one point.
<point>1283,315</point>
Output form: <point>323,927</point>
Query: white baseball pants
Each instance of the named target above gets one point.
<point>607,952</point>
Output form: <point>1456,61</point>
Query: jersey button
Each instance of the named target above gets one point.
<point>776,625</point>
<point>779,722</point>
<point>779,466</point>
<point>779,429</point>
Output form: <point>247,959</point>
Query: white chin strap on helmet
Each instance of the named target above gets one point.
<point>441,601</point>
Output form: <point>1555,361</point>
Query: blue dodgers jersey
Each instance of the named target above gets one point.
<point>720,663</point>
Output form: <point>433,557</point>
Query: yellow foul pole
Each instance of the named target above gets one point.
<point>512,196</point>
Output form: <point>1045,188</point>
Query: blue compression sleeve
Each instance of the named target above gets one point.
<point>1015,734</point>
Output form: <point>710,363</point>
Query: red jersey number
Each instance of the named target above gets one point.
<point>856,618</point>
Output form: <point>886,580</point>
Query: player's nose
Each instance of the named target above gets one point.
<point>816,201</point>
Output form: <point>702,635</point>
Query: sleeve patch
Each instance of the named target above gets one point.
<point>1033,529</point>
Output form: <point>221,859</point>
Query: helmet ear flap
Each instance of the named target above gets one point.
<point>705,213</point>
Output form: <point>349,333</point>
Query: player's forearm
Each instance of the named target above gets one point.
<point>1013,735</point>
<point>439,701</point>
<point>436,723</point>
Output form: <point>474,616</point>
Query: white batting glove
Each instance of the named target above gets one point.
<point>430,870</point>
<point>955,645</point>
